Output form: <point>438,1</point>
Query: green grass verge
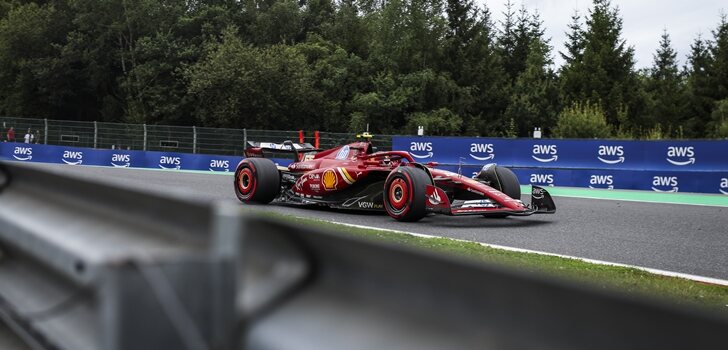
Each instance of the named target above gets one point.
<point>628,280</point>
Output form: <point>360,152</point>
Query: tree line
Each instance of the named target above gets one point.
<point>340,65</point>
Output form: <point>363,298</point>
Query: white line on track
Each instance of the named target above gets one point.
<point>708,280</point>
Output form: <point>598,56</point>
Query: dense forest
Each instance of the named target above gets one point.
<point>338,65</point>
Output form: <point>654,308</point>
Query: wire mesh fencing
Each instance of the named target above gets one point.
<point>165,138</point>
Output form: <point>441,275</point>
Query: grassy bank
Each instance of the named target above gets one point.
<point>628,280</point>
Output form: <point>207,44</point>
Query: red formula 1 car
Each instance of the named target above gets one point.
<point>354,176</point>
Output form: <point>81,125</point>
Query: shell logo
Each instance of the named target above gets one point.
<point>329,179</point>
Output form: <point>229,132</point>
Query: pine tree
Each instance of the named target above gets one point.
<point>699,89</point>
<point>665,88</point>
<point>600,68</point>
<point>719,67</point>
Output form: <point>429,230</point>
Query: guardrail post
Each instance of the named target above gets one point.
<point>144,148</point>
<point>96,133</point>
<point>194,139</point>
<point>45,131</point>
<point>245,138</point>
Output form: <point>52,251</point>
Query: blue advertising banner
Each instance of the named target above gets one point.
<point>121,158</point>
<point>569,154</point>
<point>664,166</point>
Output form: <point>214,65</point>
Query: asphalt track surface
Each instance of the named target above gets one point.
<point>679,238</point>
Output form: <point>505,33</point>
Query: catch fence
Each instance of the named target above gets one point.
<point>166,138</point>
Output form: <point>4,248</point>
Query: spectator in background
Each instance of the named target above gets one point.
<point>11,134</point>
<point>28,137</point>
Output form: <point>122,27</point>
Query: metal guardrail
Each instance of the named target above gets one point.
<point>85,265</point>
<point>144,137</point>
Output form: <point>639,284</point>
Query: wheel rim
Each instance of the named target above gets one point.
<point>246,182</point>
<point>398,195</point>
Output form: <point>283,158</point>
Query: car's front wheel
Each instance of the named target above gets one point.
<point>257,181</point>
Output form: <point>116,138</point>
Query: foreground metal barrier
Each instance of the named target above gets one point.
<point>89,266</point>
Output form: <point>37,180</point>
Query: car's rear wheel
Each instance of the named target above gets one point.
<point>257,181</point>
<point>404,194</point>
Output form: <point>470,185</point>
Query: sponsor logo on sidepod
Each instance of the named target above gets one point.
<point>121,160</point>
<point>542,179</point>
<point>482,151</point>
<point>611,152</point>
<point>724,186</point>
<point>72,157</point>
<point>602,180</point>
<point>23,153</point>
<point>343,153</point>
<point>665,181</point>
<point>170,163</point>
<point>545,151</point>
<point>687,154</point>
<point>421,147</point>
<point>220,165</point>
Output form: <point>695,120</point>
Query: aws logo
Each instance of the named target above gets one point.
<point>120,160</point>
<point>665,181</point>
<point>601,181</point>
<point>421,150</point>
<point>482,151</point>
<point>542,179</point>
<point>219,165</point>
<point>685,154</point>
<point>72,157</point>
<point>23,153</point>
<point>170,163</point>
<point>611,154</point>
<point>724,186</point>
<point>545,153</point>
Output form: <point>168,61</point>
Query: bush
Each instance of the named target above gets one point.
<point>582,120</point>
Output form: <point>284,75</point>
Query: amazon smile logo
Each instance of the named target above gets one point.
<point>72,157</point>
<point>421,150</point>
<point>545,153</point>
<point>685,155</point>
<point>611,154</point>
<point>482,151</point>
<point>660,182</point>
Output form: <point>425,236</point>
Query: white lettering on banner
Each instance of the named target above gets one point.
<point>607,180</point>
<point>665,181</point>
<point>724,186</point>
<point>482,148</point>
<point>170,163</point>
<point>681,152</point>
<point>547,150</point>
<point>542,179</point>
<point>72,157</point>
<point>219,164</point>
<point>23,153</point>
<point>611,151</point>
<point>124,159</point>
<point>421,147</point>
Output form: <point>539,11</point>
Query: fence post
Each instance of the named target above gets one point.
<point>194,139</point>
<point>96,133</point>
<point>144,148</point>
<point>245,138</point>
<point>45,131</point>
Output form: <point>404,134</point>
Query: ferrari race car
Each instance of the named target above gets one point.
<point>354,176</point>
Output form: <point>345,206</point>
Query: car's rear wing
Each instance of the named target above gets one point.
<point>256,149</point>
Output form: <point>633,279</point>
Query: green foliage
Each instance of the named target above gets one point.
<point>582,120</point>
<point>438,122</point>
<point>720,119</point>
<point>340,65</point>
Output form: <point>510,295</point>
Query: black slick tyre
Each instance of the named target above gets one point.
<point>404,194</point>
<point>257,181</point>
